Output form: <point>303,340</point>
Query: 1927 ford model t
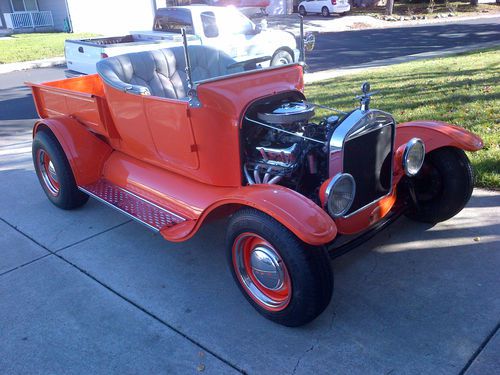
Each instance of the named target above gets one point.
<point>174,137</point>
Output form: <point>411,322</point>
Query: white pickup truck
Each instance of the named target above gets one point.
<point>224,28</point>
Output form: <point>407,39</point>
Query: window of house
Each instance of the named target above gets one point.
<point>24,5</point>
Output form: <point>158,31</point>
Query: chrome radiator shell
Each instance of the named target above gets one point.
<point>362,125</point>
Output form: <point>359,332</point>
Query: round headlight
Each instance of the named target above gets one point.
<point>340,194</point>
<point>413,156</point>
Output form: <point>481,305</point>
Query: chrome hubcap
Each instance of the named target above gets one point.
<point>266,268</point>
<point>261,271</point>
<point>48,172</point>
<point>282,61</point>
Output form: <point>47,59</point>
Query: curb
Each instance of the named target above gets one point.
<point>44,63</point>
<point>379,64</point>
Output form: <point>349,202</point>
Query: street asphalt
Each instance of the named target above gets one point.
<point>348,49</point>
<point>91,292</point>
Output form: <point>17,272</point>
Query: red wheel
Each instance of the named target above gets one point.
<point>48,172</point>
<point>261,271</point>
<point>54,172</point>
<point>284,280</point>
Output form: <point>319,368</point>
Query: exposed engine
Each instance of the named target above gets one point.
<point>282,146</point>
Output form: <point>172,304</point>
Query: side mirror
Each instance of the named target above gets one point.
<point>263,24</point>
<point>309,42</point>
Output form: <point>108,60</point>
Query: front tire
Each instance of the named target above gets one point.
<point>54,172</point>
<point>282,279</point>
<point>443,186</point>
<point>302,11</point>
<point>325,12</point>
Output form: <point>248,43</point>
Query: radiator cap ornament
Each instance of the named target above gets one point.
<point>364,100</point>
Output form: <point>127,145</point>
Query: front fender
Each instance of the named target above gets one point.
<point>85,152</point>
<point>437,134</point>
<point>299,214</point>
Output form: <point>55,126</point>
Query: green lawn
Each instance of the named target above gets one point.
<point>26,47</point>
<point>463,90</point>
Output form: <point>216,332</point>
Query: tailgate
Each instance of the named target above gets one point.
<point>81,56</point>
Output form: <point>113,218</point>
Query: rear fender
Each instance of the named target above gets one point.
<point>435,134</point>
<point>299,214</point>
<point>85,152</point>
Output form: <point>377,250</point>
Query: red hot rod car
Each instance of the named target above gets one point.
<point>174,137</point>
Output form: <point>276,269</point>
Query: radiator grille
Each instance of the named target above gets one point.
<point>368,158</point>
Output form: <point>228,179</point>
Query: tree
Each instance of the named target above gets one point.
<point>389,7</point>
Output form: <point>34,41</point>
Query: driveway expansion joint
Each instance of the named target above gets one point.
<point>126,299</point>
<point>480,349</point>
<point>92,236</point>
<point>26,264</point>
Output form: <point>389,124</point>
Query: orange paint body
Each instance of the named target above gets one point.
<point>188,160</point>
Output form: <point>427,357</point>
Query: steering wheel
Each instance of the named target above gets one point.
<point>255,61</point>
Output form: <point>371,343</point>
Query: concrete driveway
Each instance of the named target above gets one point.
<point>90,292</point>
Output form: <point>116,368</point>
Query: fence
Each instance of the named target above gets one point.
<point>29,20</point>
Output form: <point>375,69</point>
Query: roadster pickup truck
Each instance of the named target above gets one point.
<point>176,137</point>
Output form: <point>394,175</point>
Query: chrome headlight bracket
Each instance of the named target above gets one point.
<point>413,156</point>
<point>339,194</point>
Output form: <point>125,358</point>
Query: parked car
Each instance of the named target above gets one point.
<point>176,137</point>
<point>324,7</point>
<point>221,27</point>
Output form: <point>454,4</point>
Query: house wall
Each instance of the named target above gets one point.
<point>4,8</point>
<point>58,9</point>
<point>111,16</point>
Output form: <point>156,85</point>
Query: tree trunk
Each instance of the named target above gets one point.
<point>389,7</point>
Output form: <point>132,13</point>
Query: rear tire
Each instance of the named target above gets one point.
<point>443,186</point>
<point>302,11</point>
<point>299,284</point>
<point>54,172</point>
<point>325,12</point>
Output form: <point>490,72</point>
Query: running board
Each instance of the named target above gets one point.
<point>139,209</point>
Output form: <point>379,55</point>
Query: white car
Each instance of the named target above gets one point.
<point>325,7</point>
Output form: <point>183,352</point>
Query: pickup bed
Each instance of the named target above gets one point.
<point>207,25</point>
<point>82,55</point>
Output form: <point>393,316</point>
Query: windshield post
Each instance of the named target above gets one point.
<point>192,95</point>
<point>186,57</point>
<point>302,46</point>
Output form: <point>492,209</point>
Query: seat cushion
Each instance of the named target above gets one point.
<point>147,73</point>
